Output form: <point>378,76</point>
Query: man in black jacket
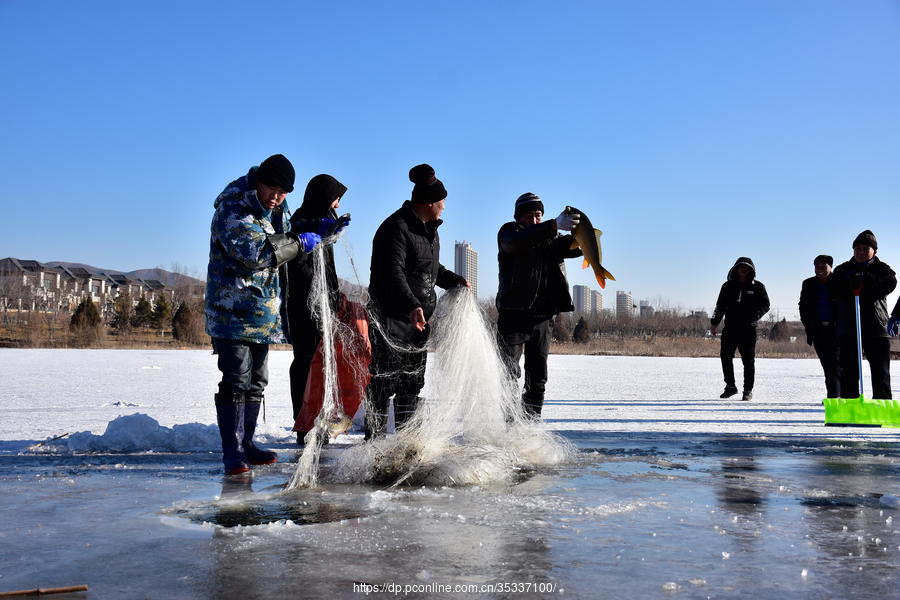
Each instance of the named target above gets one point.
<point>742,302</point>
<point>873,280</point>
<point>405,269</point>
<point>818,313</point>
<point>318,213</point>
<point>533,289</point>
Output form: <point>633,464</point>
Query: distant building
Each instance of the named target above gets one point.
<point>596,302</point>
<point>624,305</point>
<point>30,285</point>
<point>700,314</point>
<point>583,299</point>
<point>646,310</point>
<point>465,263</point>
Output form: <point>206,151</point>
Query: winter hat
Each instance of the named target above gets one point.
<point>428,188</point>
<point>528,202</point>
<point>276,171</point>
<point>866,237</point>
<point>321,191</point>
<point>825,259</point>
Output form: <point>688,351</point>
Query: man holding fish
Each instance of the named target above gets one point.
<point>533,286</point>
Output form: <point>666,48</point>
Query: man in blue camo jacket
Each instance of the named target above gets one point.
<point>245,299</point>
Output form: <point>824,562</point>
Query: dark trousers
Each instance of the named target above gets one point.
<point>398,362</point>
<point>877,351</point>
<point>304,343</point>
<point>743,339</point>
<point>829,352</point>
<point>244,366</point>
<point>533,340</point>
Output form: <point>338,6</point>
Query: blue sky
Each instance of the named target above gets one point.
<point>691,132</point>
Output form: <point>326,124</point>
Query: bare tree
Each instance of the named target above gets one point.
<point>14,292</point>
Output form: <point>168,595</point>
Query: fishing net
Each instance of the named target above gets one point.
<point>331,418</point>
<point>469,428</point>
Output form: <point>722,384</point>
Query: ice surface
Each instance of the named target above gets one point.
<point>666,481</point>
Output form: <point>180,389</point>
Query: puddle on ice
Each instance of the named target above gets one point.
<point>697,518</point>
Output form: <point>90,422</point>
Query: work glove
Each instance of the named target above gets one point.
<point>308,240</point>
<point>333,227</point>
<point>854,278</point>
<point>567,221</point>
<point>893,327</point>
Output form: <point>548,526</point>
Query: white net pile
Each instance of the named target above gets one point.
<point>470,428</point>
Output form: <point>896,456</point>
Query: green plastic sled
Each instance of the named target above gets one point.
<point>861,412</point>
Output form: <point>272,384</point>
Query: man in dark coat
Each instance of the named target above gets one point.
<point>318,213</point>
<point>818,313</point>
<point>533,288</point>
<point>742,302</point>
<point>405,269</point>
<point>873,280</point>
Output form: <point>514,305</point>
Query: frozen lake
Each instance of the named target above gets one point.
<point>671,492</point>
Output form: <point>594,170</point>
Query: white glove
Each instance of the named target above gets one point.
<point>567,222</point>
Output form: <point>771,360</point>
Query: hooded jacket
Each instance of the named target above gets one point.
<point>406,265</point>
<point>321,192</point>
<point>526,255</point>
<point>741,304</point>
<point>244,296</point>
<point>878,280</point>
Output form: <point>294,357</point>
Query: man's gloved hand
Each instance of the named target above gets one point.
<point>325,226</point>
<point>567,221</point>
<point>308,241</point>
<point>893,327</point>
<point>332,227</point>
<point>854,278</point>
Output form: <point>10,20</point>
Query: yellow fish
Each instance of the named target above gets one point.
<point>338,424</point>
<point>588,239</point>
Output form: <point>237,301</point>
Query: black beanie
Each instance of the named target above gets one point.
<point>866,237</point>
<point>428,188</point>
<point>526,203</point>
<point>276,171</point>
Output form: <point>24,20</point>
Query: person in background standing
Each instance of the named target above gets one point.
<point>873,280</point>
<point>818,313</point>
<point>742,302</point>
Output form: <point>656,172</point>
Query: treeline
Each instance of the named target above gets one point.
<point>144,325</point>
<point>667,332</point>
<point>130,322</point>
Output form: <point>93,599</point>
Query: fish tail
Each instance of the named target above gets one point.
<point>602,275</point>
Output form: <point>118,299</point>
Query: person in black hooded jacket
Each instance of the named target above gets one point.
<point>742,302</point>
<point>405,269</point>
<point>873,280</point>
<point>318,213</point>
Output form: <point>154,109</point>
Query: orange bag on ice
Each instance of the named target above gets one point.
<point>352,352</point>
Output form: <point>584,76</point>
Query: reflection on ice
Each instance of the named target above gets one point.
<point>718,517</point>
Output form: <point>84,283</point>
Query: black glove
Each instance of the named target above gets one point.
<point>854,278</point>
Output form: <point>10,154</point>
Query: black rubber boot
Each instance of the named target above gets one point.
<point>230,416</point>
<point>255,455</point>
